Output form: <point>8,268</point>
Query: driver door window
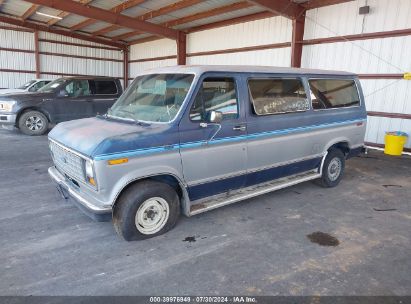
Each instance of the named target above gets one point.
<point>215,94</point>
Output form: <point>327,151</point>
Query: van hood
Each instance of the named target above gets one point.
<point>98,136</point>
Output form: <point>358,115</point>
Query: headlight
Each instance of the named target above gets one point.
<point>7,106</point>
<point>88,168</point>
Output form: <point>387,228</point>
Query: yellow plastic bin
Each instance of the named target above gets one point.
<point>394,142</point>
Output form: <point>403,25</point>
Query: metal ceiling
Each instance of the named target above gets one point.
<point>210,11</point>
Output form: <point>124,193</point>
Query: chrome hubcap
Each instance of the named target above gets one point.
<point>152,215</point>
<point>34,123</point>
<point>334,168</point>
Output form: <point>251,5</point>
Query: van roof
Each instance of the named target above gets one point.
<point>199,69</point>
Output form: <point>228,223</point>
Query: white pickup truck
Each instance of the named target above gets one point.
<point>30,86</point>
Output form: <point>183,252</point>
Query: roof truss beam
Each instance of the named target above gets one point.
<point>227,22</point>
<point>45,28</point>
<point>65,14</point>
<point>155,13</point>
<point>285,8</point>
<point>320,3</point>
<point>117,10</point>
<point>28,13</point>
<point>107,16</point>
<point>213,12</point>
<point>169,9</point>
<point>198,16</point>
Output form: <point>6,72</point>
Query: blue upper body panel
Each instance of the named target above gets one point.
<point>101,138</point>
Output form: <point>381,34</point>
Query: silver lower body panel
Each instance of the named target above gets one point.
<point>252,191</point>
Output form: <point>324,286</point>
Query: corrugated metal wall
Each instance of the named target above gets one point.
<point>103,62</point>
<point>11,60</point>
<point>158,48</point>
<point>69,65</point>
<point>260,32</point>
<point>374,56</point>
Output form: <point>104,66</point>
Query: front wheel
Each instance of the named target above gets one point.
<point>145,210</point>
<point>333,168</point>
<point>33,123</point>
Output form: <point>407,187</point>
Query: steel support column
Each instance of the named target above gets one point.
<point>37,53</point>
<point>181,48</point>
<point>297,41</point>
<point>125,66</point>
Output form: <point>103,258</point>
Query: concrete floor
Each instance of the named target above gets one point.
<point>255,247</point>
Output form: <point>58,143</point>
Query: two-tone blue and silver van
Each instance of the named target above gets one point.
<point>189,139</point>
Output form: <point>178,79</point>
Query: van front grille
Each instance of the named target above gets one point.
<point>67,162</point>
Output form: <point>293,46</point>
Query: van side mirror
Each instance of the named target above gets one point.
<point>62,93</point>
<point>215,117</point>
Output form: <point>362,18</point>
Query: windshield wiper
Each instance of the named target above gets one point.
<point>131,118</point>
<point>135,121</point>
<point>141,123</point>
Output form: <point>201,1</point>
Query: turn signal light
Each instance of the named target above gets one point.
<point>92,181</point>
<point>117,161</point>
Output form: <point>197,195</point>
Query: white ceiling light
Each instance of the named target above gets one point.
<point>50,16</point>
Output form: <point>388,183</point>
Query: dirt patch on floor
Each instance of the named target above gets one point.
<point>323,239</point>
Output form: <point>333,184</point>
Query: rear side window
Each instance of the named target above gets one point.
<point>277,95</point>
<point>105,87</point>
<point>333,93</point>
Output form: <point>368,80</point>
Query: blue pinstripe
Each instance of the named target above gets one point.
<point>195,144</point>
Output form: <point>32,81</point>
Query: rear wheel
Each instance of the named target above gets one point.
<point>33,123</point>
<point>333,168</point>
<point>145,210</point>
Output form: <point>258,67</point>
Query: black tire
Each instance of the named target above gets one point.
<point>128,204</point>
<point>33,123</point>
<point>333,169</point>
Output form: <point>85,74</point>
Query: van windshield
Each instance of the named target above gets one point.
<point>153,98</point>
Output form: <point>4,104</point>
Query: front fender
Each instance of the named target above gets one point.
<point>114,179</point>
<point>153,172</point>
<point>25,108</point>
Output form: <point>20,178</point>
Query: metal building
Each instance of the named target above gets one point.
<point>44,38</point>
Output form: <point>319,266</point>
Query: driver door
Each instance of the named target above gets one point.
<point>74,101</point>
<point>214,156</point>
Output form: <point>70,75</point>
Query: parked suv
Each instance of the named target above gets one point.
<point>30,86</point>
<point>63,99</point>
<point>189,139</point>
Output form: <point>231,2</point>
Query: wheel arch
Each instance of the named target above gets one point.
<point>342,144</point>
<point>167,178</point>
<point>31,108</point>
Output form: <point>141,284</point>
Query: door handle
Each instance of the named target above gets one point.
<point>239,128</point>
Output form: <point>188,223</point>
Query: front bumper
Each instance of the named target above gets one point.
<point>8,119</point>
<point>85,204</point>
